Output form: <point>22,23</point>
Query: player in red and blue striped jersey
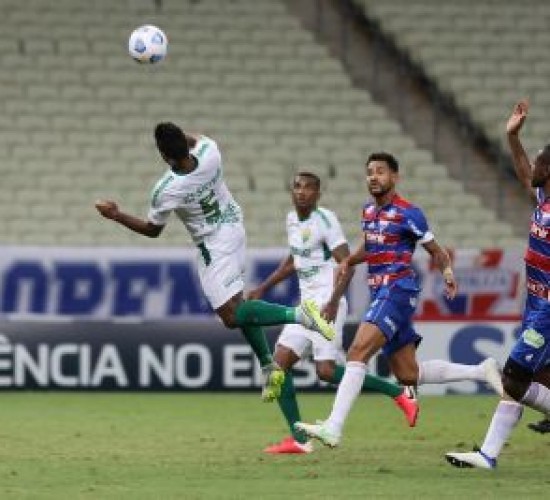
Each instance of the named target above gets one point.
<point>526,372</point>
<point>392,228</point>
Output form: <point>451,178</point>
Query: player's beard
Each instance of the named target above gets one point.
<point>380,191</point>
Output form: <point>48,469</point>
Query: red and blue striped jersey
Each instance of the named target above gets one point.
<point>537,255</point>
<point>391,233</point>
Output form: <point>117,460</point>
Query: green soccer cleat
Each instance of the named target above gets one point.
<point>274,380</point>
<point>314,320</point>
<point>320,432</point>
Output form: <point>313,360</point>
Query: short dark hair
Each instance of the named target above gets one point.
<point>171,141</point>
<point>387,157</point>
<point>310,175</point>
<point>546,152</point>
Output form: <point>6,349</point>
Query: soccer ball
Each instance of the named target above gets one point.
<point>148,44</point>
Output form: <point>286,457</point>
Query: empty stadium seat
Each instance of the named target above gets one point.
<point>245,72</point>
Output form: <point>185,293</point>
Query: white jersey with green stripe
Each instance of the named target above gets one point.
<point>311,243</point>
<point>200,199</point>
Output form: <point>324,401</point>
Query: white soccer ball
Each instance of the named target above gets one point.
<point>148,44</point>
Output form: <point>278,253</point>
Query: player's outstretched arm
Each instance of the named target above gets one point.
<point>443,262</point>
<point>522,165</point>
<point>109,209</point>
<point>285,269</point>
<point>357,257</point>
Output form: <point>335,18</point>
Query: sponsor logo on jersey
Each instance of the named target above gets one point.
<point>306,234</point>
<point>375,237</point>
<point>302,252</point>
<point>533,338</point>
<point>538,231</point>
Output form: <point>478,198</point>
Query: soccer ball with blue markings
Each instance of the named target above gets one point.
<point>148,44</point>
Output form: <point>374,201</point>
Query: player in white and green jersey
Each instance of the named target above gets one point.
<point>316,244</point>
<point>193,188</point>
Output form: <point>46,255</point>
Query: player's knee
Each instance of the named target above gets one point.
<point>229,320</point>
<point>515,379</point>
<point>357,351</point>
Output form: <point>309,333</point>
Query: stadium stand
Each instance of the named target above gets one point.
<point>78,116</point>
<point>485,54</point>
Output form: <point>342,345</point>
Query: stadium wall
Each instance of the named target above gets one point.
<point>134,319</point>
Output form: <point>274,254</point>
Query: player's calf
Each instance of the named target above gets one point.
<point>515,380</point>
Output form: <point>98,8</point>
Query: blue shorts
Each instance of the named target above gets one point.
<point>392,310</point>
<point>532,349</point>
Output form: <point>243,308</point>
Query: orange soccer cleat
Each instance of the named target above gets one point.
<point>289,445</point>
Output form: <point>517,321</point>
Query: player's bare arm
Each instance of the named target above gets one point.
<point>522,165</point>
<point>357,257</point>
<point>443,263</point>
<point>330,309</point>
<point>109,209</point>
<point>286,268</point>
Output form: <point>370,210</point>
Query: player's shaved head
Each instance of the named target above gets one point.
<point>310,176</point>
<point>541,170</point>
<point>171,141</point>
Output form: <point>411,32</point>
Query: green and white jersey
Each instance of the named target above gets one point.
<point>311,243</point>
<point>200,199</point>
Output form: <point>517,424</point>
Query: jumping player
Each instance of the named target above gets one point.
<point>193,187</point>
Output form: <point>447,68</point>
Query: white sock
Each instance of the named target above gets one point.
<point>348,390</point>
<point>505,418</point>
<point>537,397</point>
<point>437,371</point>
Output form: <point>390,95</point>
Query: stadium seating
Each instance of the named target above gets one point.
<point>79,114</point>
<point>485,54</point>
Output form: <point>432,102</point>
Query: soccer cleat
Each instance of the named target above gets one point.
<point>290,446</point>
<point>492,375</point>
<point>543,426</point>
<point>471,459</point>
<point>320,432</point>
<point>274,380</point>
<point>315,321</point>
<point>409,407</point>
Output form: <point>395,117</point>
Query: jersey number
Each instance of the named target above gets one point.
<point>210,208</point>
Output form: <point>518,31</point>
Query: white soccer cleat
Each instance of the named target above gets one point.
<point>493,376</point>
<point>320,432</point>
<point>471,459</point>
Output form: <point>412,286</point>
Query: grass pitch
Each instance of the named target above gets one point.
<point>141,446</point>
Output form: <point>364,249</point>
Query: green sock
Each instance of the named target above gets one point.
<point>261,313</point>
<point>289,407</point>
<point>255,336</point>
<point>371,382</point>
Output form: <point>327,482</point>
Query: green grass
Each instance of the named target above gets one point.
<point>136,446</point>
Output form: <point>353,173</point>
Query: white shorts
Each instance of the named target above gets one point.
<point>220,261</point>
<point>304,342</point>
